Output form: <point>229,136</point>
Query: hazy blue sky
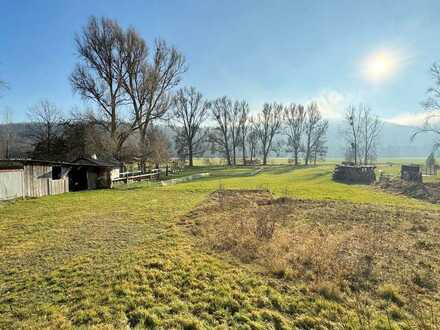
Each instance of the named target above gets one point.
<point>258,50</point>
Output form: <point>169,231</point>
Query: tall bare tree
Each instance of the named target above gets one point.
<point>244,127</point>
<point>6,134</point>
<point>319,148</point>
<point>189,112</point>
<point>158,146</point>
<point>352,133</point>
<point>432,107</point>
<point>149,83</point>
<point>370,133</point>
<point>314,127</point>
<point>221,134</point>
<point>99,75</point>
<point>235,123</point>
<point>268,124</point>
<point>362,133</point>
<point>294,117</point>
<point>45,129</point>
<point>252,139</point>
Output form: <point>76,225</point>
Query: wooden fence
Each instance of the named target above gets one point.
<point>154,174</point>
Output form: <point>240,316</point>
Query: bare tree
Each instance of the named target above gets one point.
<point>158,146</point>
<point>314,128</point>
<point>45,129</point>
<point>149,84</point>
<point>294,116</point>
<point>352,132</point>
<point>268,124</point>
<point>362,133</point>
<point>99,75</point>
<point>370,133</point>
<point>221,134</point>
<point>243,127</point>
<point>433,101</point>
<point>190,111</point>
<point>432,107</point>
<point>6,134</point>
<point>235,118</point>
<point>252,139</point>
<point>319,148</point>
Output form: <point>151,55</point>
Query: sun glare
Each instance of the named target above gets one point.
<point>380,66</point>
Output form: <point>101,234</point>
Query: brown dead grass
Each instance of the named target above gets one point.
<point>336,247</point>
<point>429,191</point>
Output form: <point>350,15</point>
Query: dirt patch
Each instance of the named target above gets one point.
<point>425,191</point>
<point>355,247</point>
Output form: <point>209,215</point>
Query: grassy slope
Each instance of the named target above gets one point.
<point>117,257</point>
<point>307,183</point>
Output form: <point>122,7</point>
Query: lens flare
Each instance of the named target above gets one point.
<point>380,66</point>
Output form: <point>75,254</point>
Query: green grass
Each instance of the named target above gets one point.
<point>307,183</point>
<point>393,168</point>
<point>118,257</point>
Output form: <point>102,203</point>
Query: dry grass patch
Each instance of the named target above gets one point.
<point>429,191</point>
<point>339,249</point>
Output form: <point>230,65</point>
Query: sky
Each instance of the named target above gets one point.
<point>334,52</point>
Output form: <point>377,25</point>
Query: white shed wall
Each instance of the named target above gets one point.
<point>11,184</point>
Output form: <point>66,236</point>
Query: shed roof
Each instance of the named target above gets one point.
<point>20,163</point>
<point>97,162</point>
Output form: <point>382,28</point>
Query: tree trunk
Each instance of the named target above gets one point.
<point>244,153</point>
<point>190,155</point>
<point>143,146</point>
<point>366,153</point>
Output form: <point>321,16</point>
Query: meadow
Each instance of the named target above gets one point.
<point>129,257</point>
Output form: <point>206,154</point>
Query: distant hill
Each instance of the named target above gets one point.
<point>395,141</point>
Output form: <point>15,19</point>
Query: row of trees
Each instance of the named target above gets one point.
<point>235,133</point>
<point>133,87</point>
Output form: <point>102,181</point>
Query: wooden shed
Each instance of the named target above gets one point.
<point>93,173</point>
<point>21,178</point>
<point>32,178</point>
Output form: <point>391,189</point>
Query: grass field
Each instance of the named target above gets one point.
<point>121,258</point>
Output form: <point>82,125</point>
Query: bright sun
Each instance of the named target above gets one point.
<point>380,66</point>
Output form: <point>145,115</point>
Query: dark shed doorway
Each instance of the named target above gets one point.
<point>78,178</point>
